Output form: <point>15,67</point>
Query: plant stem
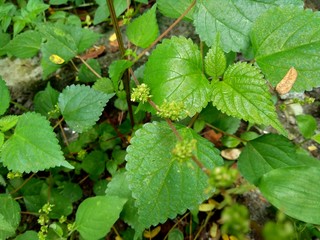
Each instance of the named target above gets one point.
<point>89,67</point>
<point>20,106</point>
<point>166,31</point>
<point>126,75</point>
<point>24,183</point>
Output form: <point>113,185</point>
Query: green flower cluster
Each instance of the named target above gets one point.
<point>183,150</point>
<point>141,93</point>
<point>43,220</point>
<point>12,175</point>
<point>223,177</point>
<point>235,219</point>
<point>171,110</point>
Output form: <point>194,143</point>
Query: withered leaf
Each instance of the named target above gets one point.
<point>285,85</point>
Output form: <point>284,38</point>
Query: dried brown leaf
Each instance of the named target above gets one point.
<point>285,85</point>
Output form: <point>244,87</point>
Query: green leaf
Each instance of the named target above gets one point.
<point>45,101</point>
<point>33,146</point>
<point>307,125</point>
<point>62,204</point>
<point>66,41</point>
<point>84,38</point>
<point>4,40</point>
<point>215,60</point>
<point>316,138</point>
<point>174,8</point>
<point>7,10</point>
<point>288,37</point>
<point>25,45</point>
<point>119,186</point>
<point>94,163</point>
<point>96,215</point>
<point>295,191</point>
<point>220,120</point>
<point>102,12</point>
<point>58,2</point>
<point>28,235</point>
<point>243,93</point>
<point>4,97</point>
<point>175,234</point>
<point>85,74</point>
<point>9,216</point>
<point>232,18</point>
<point>35,7</point>
<point>1,143</point>
<point>116,69</point>
<point>104,85</point>
<point>71,191</point>
<point>59,42</point>
<point>7,122</point>
<point>174,74</point>
<point>264,154</point>
<point>144,29</point>
<point>81,106</point>
<point>162,186</point>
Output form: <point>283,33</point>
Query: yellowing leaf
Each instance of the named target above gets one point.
<point>56,59</point>
<point>285,85</point>
<point>151,233</point>
<point>206,207</point>
<point>113,37</point>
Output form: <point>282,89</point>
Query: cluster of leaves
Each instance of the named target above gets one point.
<point>169,167</point>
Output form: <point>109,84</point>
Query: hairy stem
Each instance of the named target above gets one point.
<point>126,75</point>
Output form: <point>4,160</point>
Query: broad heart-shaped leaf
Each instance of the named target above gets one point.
<point>25,45</point>
<point>264,154</point>
<point>66,41</point>
<point>9,216</point>
<point>96,215</point>
<point>288,37</point>
<point>232,18</point>
<point>81,106</point>
<point>162,186</point>
<point>174,74</point>
<point>243,93</point>
<point>33,146</point>
<point>45,101</point>
<point>4,97</point>
<point>144,30</point>
<point>295,191</point>
<point>174,8</point>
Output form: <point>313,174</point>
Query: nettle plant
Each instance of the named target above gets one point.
<point>169,166</point>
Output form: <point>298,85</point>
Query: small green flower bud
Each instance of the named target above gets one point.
<point>12,175</point>
<point>71,227</point>
<point>47,208</point>
<point>81,154</point>
<point>141,93</point>
<point>223,177</point>
<point>62,219</point>
<point>235,220</point>
<point>171,110</point>
<point>183,150</point>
